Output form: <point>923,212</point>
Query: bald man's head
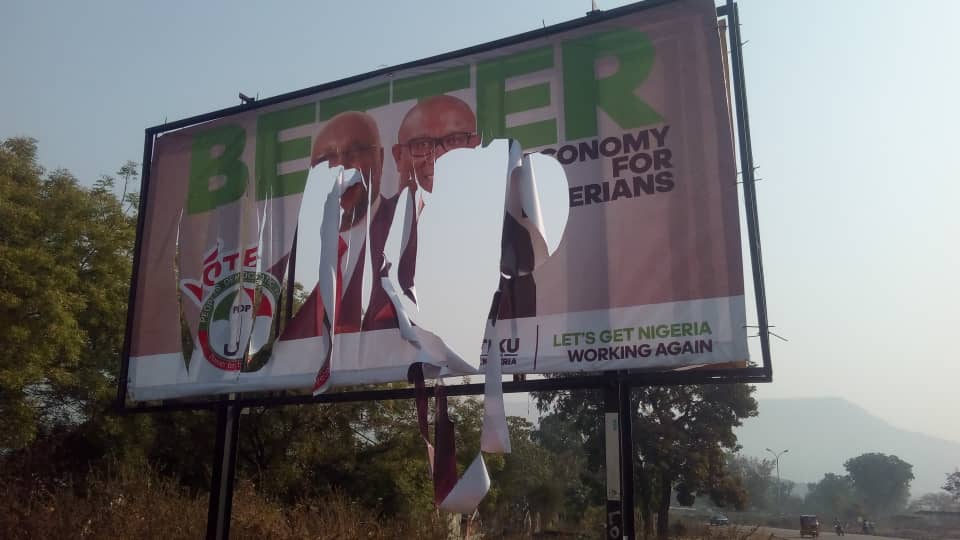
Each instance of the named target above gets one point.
<point>351,140</point>
<point>430,129</point>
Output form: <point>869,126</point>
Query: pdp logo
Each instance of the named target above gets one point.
<point>229,324</point>
<point>237,305</point>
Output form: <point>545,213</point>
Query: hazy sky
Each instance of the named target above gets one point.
<point>853,108</point>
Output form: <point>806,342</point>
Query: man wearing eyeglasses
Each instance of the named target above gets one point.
<point>351,140</point>
<point>430,129</point>
<point>433,127</point>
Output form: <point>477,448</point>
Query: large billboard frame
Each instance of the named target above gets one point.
<point>736,87</point>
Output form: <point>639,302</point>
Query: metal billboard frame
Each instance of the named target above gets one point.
<point>752,374</point>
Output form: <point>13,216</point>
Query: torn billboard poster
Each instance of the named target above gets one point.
<point>647,275</point>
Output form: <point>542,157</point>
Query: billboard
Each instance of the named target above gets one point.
<point>647,275</point>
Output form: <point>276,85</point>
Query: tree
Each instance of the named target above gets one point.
<point>935,502</point>
<point>833,495</point>
<point>129,174</point>
<point>564,448</point>
<point>64,272</point>
<point>682,433</point>
<point>881,481</point>
<point>755,476</point>
<point>952,485</point>
<point>531,484</point>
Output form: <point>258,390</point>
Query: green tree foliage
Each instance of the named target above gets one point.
<point>564,444</point>
<point>64,272</point>
<point>533,483</point>
<point>833,495</point>
<point>881,481</point>
<point>756,478</point>
<point>952,485</point>
<point>683,431</point>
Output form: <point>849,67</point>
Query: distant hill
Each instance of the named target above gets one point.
<point>822,433</point>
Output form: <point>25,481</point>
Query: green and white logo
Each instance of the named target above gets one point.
<point>236,318</point>
<point>237,304</point>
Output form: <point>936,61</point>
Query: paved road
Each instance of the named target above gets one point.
<point>827,534</point>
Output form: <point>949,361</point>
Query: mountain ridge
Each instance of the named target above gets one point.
<point>821,433</point>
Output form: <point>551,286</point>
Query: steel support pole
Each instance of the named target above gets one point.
<point>224,471</point>
<point>625,412</point>
<point>749,180</point>
<point>611,429</point>
<point>618,443</point>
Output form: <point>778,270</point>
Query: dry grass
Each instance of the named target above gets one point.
<point>143,506</point>
<point>701,531</point>
<point>126,506</point>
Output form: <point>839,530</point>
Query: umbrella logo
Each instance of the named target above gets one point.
<point>236,318</point>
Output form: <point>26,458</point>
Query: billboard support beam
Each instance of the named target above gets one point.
<point>224,470</point>
<point>748,375</point>
<point>625,413</point>
<point>747,169</point>
<point>618,450</point>
<point>122,377</point>
<point>611,429</point>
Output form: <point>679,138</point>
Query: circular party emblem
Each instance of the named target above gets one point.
<point>234,322</point>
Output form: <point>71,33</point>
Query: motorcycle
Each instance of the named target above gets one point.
<point>838,528</point>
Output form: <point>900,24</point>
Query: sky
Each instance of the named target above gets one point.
<point>853,114</point>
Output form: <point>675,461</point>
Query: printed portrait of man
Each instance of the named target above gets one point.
<point>431,128</point>
<point>351,140</point>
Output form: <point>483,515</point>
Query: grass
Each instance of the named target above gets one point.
<point>140,504</point>
<point>144,505</point>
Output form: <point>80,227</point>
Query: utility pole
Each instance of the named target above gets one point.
<point>776,458</point>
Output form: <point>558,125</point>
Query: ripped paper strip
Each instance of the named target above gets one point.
<point>327,282</point>
<point>403,321</point>
<point>470,490</point>
<point>494,437</point>
<point>407,267</point>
